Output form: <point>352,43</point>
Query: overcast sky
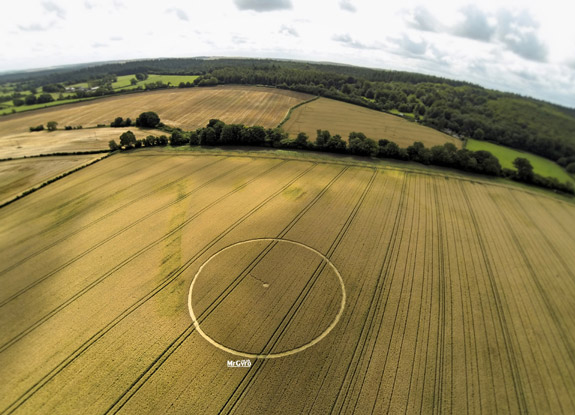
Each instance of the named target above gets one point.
<point>524,46</point>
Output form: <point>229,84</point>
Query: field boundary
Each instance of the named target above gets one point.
<point>59,154</point>
<point>52,180</point>
<point>289,113</point>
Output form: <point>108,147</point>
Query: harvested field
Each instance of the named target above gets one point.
<point>457,293</point>
<point>186,108</point>
<point>17,176</point>
<point>63,141</point>
<point>342,118</point>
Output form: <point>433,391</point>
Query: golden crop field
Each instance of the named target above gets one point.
<point>17,176</point>
<point>63,141</point>
<point>186,108</point>
<point>128,286</point>
<point>342,118</point>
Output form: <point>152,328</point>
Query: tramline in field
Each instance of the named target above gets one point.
<point>455,292</point>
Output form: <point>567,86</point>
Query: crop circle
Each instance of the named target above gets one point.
<point>265,285</point>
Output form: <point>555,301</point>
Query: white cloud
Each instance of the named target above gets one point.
<point>52,7</point>
<point>347,5</point>
<point>182,15</point>
<point>263,5</point>
<point>511,44</point>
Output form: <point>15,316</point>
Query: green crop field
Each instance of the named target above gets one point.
<point>22,108</point>
<point>123,82</point>
<point>506,155</point>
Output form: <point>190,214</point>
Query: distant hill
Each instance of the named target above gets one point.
<point>458,108</point>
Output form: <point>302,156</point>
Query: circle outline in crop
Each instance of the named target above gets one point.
<point>268,355</point>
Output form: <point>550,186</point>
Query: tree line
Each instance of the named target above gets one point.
<point>218,133</point>
<point>458,108</point>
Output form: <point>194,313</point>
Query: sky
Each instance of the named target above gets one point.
<point>526,47</point>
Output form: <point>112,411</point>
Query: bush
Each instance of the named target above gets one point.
<point>37,128</point>
<point>127,139</point>
<point>194,138</point>
<point>148,119</point>
<point>44,98</point>
<point>113,145</point>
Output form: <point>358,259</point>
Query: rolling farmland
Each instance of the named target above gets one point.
<point>62,141</point>
<point>506,156</point>
<point>342,118</point>
<point>17,176</point>
<point>366,290</point>
<point>185,108</point>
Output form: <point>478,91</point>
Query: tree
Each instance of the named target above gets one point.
<point>301,140</point>
<point>148,119</point>
<point>113,145</point>
<point>524,169</point>
<point>141,76</point>
<point>322,138</point>
<point>44,98</point>
<point>336,144</point>
<point>231,134</point>
<point>30,99</point>
<point>127,139</point>
<point>118,122</point>
<point>361,145</point>
<point>133,81</point>
<point>217,125</point>
<point>571,168</point>
<point>194,138</point>
<point>208,137</point>
<point>488,163</point>
<point>18,102</point>
<point>52,125</point>
<point>178,138</point>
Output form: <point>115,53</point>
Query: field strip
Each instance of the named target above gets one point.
<point>67,186</point>
<point>554,218</point>
<point>99,187</point>
<point>478,275</point>
<point>460,272</point>
<point>424,278</point>
<point>369,321</point>
<point>322,158</point>
<point>378,319</point>
<point>525,349</point>
<point>324,376</point>
<point>148,373</point>
<point>489,315</point>
<point>107,215</point>
<point>38,197</point>
<point>167,281</point>
<point>179,199</point>
<point>531,317</point>
<point>441,316</point>
<point>519,392</point>
<point>128,260</point>
<point>550,311</point>
<point>189,331</point>
<point>550,243</point>
<point>49,180</point>
<point>250,376</point>
<point>400,303</point>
